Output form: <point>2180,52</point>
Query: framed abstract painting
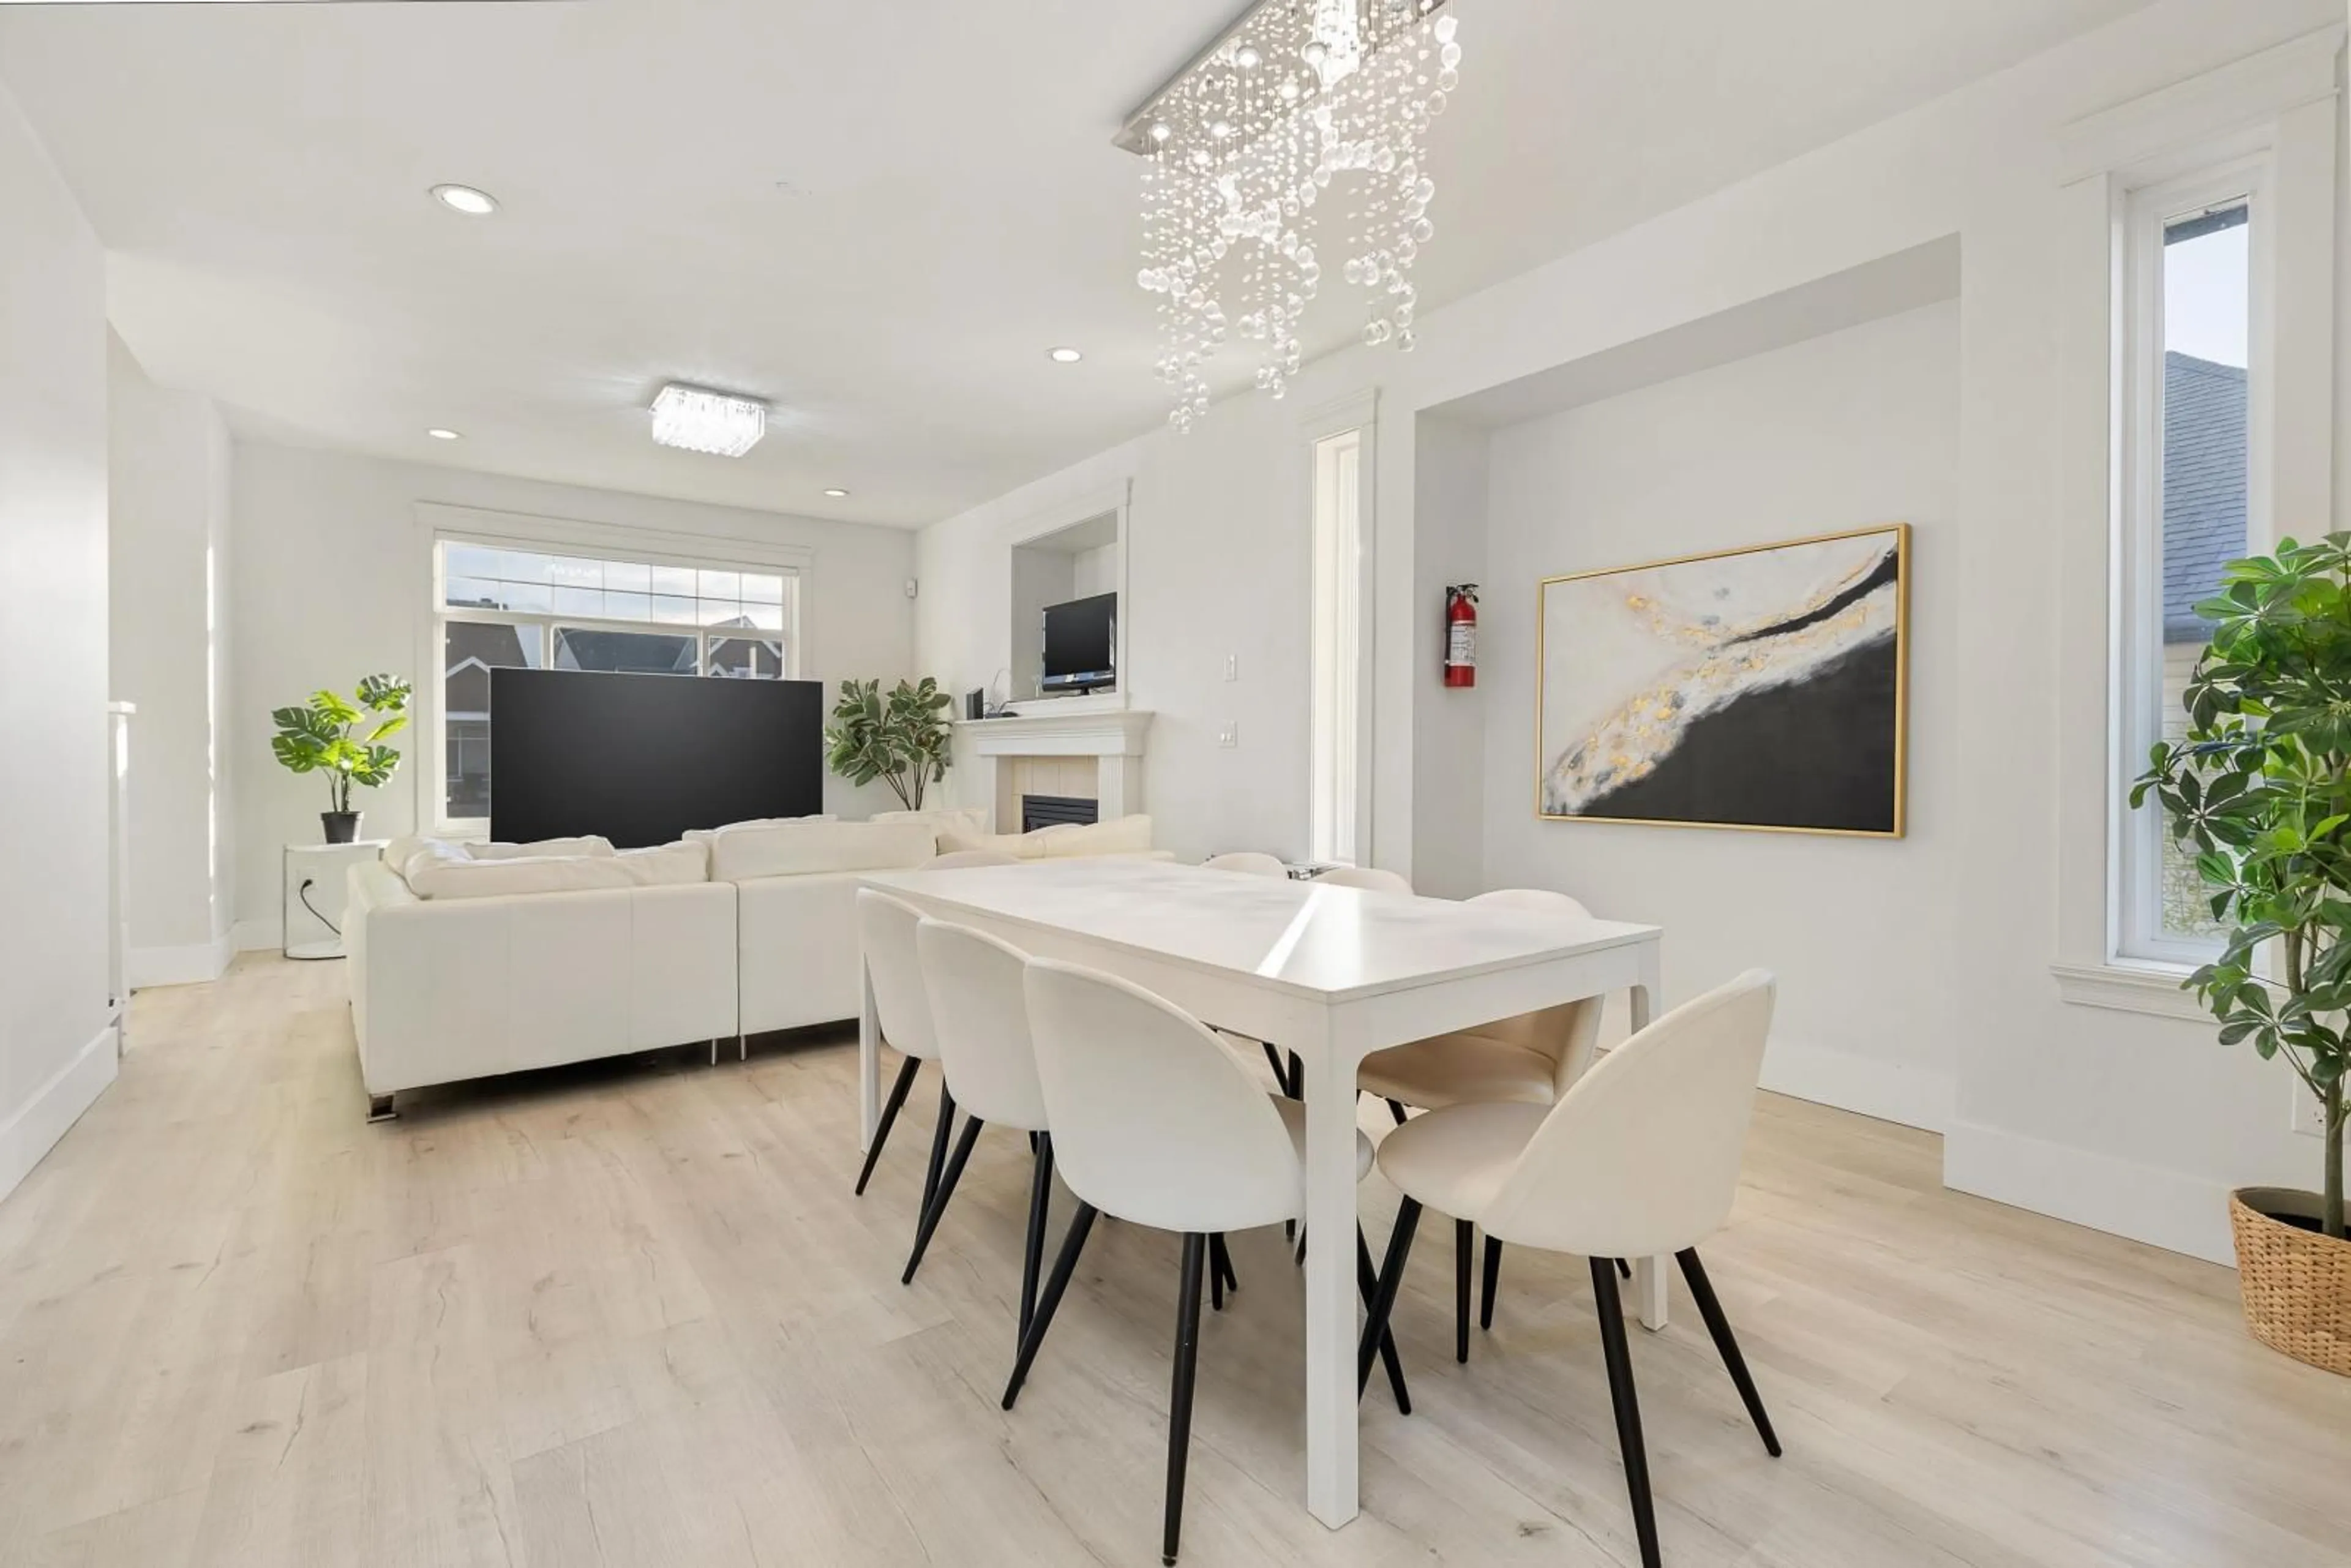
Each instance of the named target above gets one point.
<point>1764,687</point>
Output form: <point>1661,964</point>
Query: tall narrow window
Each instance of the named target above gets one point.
<point>2187,508</point>
<point>1338,646</point>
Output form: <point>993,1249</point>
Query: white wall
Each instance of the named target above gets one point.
<point>168,482</point>
<point>56,1050</point>
<point>1848,431</point>
<point>2135,1123</point>
<point>1450,481</point>
<point>324,557</point>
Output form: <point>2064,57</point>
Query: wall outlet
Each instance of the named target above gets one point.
<point>1232,667</point>
<point>1229,737</point>
<point>2309,1116</point>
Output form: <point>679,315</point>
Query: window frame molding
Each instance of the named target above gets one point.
<point>2280,106</point>
<point>1358,413</point>
<point>2144,212</point>
<point>437,522</point>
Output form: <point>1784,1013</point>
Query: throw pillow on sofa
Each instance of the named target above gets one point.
<point>803,849</point>
<point>704,835</point>
<point>544,849</point>
<point>1020,846</point>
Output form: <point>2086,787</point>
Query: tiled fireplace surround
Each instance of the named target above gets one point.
<point>1095,756</point>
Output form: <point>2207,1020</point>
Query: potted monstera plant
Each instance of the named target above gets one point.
<point>323,735</point>
<point>899,736</point>
<point>2260,789</point>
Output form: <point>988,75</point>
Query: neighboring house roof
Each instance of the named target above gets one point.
<point>2204,463</point>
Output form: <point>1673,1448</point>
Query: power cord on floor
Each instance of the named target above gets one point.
<point>303,893</point>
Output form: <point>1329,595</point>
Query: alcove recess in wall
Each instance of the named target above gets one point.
<point>1075,561</point>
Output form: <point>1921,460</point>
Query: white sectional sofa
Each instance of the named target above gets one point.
<point>470,961</point>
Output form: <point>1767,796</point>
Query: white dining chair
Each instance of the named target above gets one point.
<point>1532,1059</point>
<point>982,1026</point>
<point>1640,1158</point>
<point>964,860</point>
<point>1370,878</point>
<point>886,935</point>
<point>1249,862</point>
<point>1154,1124</point>
<point>974,982</point>
<point>1253,863</point>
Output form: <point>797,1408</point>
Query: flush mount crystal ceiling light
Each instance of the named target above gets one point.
<point>1301,105</point>
<point>702,421</point>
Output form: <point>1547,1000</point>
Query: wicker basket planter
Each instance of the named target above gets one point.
<point>2296,1282</point>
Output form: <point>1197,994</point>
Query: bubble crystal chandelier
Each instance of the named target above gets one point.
<point>1303,108</point>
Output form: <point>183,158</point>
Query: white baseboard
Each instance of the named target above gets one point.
<point>254,935</point>
<point>56,1106</point>
<point>188,966</point>
<point>2171,1210</point>
<point>1889,1091</point>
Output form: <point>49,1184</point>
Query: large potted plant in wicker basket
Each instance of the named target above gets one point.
<point>2258,788</point>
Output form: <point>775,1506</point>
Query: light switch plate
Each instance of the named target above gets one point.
<point>1229,737</point>
<point>1232,667</point>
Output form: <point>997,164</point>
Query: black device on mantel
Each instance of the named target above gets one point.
<point>1081,644</point>
<point>641,759</point>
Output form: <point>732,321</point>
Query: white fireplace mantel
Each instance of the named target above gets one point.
<point>988,748</point>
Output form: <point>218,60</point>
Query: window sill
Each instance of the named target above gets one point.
<point>2150,988</point>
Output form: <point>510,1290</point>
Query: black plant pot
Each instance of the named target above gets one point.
<point>342,827</point>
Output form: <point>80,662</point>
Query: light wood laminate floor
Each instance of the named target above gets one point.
<point>630,1314</point>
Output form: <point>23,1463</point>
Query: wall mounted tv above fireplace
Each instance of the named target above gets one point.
<point>1081,644</point>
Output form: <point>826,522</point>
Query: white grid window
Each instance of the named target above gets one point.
<point>501,606</point>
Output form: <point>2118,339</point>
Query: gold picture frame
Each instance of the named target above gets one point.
<point>1799,624</point>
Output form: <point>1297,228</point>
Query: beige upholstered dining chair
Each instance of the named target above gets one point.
<point>1370,878</point>
<point>1533,1059</point>
<point>1638,1159</point>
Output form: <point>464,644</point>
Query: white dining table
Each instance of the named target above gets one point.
<point>1329,973</point>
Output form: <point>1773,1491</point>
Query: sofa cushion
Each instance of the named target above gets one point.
<point>666,865</point>
<point>798,848</point>
<point>1122,836</point>
<point>543,849</point>
<point>1020,846</point>
<point>943,819</point>
<point>704,835</point>
<point>434,877</point>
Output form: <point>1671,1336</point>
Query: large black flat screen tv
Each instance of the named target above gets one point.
<point>641,759</point>
<point>1082,644</point>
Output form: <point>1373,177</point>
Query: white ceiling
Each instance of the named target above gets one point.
<point>877,215</point>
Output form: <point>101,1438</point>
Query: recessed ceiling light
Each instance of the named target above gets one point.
<point>837,493</point>
<point>439,433</point>
<point>700,420</point>
<point>466,199</point>
<point>1063,356</point>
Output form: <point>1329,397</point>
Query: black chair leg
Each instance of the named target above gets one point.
<point>939,1140</point>
<point>1368,1280</point>
<point>938,1205</point>
<point>1296,1076</point>
<point>1064,1265</point>
<point>1375,1326</point>
<point>1220,1270</point>
<point>1281,1069</point>
<point>1718,1325</point>
<point>1493,1278</point>
<point>904,1081</point>
<point>1040,1205</point>
<point>1179,1398</point>
<point>1465,1248</point>
<point>1396,1109</point>
<point>1624,1269</point>
<point>1629,1442</point>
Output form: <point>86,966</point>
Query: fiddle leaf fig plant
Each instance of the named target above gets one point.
<point>900,736</point>
<point>323,735</point>
<point>2258,789</point>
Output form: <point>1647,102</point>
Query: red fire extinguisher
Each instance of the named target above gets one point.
<point>1461,634</point>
